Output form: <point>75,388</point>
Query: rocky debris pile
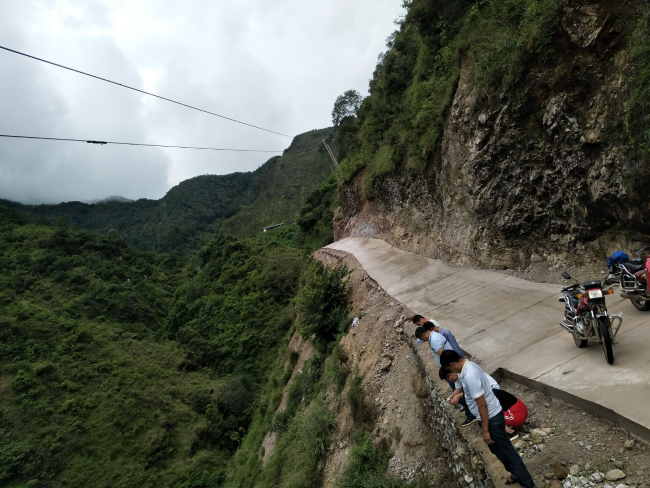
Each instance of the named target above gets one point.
<point>529,444</point>
<point>588,476</point>
<point>404,470</point>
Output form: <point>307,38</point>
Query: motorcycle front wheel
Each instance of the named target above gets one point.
<point>642,305</point>
<point>606,339</point>
<point>579,341</point>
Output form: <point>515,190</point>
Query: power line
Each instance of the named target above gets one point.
<point>141,91</point>
<point>136,144</point>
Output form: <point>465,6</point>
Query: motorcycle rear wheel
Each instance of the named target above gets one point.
<point>642,305</point>
<point>606,339</point>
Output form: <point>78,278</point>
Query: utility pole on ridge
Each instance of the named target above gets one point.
<point>329,151</point>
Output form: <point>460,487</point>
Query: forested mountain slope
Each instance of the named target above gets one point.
<point>504,132</point>
<point>188,215</point>
<point>284,186</point>
<point>188,210</point>
<point>124,368</point>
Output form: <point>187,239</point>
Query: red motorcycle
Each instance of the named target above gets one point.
<point>632,276</point>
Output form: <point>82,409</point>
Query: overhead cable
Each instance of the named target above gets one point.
<point>142,91</point>
<point>136,144</point>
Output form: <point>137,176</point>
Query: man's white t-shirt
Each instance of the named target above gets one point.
<point>493,383</point>
<point>476,384</point>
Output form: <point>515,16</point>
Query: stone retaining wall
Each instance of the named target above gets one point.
<point>463,458</point>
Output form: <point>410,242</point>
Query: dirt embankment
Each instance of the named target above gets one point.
<point>403,407</point>
<point>394,391</point>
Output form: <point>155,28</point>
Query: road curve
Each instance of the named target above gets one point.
<point>512,325</point>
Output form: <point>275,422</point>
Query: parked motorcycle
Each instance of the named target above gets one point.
<point>632,276</point>
<point>586,316</point>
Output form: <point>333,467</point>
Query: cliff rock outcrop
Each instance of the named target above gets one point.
<point>543,168</point>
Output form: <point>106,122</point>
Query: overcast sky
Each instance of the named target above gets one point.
<point>278,64</point>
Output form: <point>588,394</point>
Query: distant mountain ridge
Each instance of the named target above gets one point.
<point>111,198</point>
<point>194,209</point>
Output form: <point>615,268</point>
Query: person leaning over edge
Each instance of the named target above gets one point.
<point>482,402</point>
<point>431,324</point>
<point>438,343</point>
<point>457,396</point>
<point>514,410</point>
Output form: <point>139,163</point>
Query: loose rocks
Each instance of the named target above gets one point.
<point>561,471</point>
<point>615,475</point>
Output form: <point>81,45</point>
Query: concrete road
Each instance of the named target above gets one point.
<point>512,324</point>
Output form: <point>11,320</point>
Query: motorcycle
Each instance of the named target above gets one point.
<point>632,276</point>
<point>586,316</point>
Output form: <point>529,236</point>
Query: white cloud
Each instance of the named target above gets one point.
<point>278,65</point>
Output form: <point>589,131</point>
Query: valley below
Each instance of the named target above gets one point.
<point>174,343</point>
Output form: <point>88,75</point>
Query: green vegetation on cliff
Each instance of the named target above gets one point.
<point>284,185</point>
<point>127,368</point>
<point>638,105</point>
<point>368,465</point>
<point>402,121</point>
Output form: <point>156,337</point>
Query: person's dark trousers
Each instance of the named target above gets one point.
<point>506,453</point>
<point>468,412</point>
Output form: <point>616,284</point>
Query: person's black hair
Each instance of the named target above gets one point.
<point>419,331</point>
<point>448,357</point>
<point>428,325</point>
<point>417,318</point>
<point>443,373</point>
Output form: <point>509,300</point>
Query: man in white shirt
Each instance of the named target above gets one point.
<point>482,402</point>
<point>514,410</point>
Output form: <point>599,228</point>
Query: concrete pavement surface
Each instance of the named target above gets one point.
<point>512,325</point>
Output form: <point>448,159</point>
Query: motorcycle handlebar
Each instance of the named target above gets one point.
<point>569,287</point>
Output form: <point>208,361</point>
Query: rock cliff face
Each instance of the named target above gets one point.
<point>539,171</point>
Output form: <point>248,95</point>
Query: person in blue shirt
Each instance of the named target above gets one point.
<point>439,340</point>
<point>431,324</point>
<point>436,340</point>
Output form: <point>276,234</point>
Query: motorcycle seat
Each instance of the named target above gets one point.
<point>633,267</point>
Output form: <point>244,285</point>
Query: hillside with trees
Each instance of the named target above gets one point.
<point>285,185</point>
<point>192,211</point>
<point>127,368</point>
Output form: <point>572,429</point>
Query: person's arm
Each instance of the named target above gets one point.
<point>439,351</point>
<point>454,398</point>
<point>485,419</point>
